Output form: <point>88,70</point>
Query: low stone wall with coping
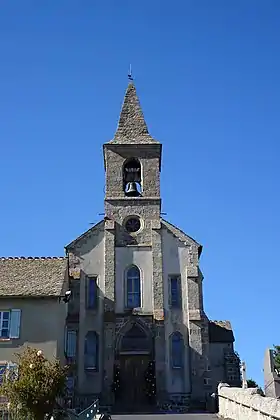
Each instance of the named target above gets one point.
<point>246,404</point>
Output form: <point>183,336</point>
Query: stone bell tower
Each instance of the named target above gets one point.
<point>132,210</point>
<point>132,158</point>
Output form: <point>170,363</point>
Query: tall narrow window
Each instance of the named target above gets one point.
<point>70,343</point>
<point>175,291</point>
<point>92,292</point>
<point>91,351</point>
<point>5,324</point>
<point>133,288</point>
<point>70,383</point>
<point>10,323</point>
<point>177,350</point>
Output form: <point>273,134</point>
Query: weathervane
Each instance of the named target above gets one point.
<point>130,73</point>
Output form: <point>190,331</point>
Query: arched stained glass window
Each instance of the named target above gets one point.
<point>91,352</point>
<point>133,287</point>
<point>177,350</point>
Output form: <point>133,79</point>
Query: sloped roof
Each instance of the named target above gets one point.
<point>182,236</point>
<point>86,234</point>
<point>220,332</point>
<point>32,276</point>
<point>45,276</point>
<point>132,127</point>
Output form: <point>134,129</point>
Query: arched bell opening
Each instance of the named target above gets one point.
<point>132,178</point>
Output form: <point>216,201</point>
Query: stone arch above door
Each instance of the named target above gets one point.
<point>134,337</point>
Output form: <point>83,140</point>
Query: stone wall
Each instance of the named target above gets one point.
<point>149,156</point>
<point>241,404</point>
<point>271,378</point>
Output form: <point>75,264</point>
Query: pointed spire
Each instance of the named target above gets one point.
<point>132,127</point>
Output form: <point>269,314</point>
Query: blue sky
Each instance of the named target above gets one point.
<point>207,73</point>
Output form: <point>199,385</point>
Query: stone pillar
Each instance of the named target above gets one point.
<point>244,376</point>
<point>158,300</point>
<point>198,329</point>
<point>271,378</point>
<point>109,359</point>
<point>109,313</point>
<point>109,268</point>
<point>198,356</point>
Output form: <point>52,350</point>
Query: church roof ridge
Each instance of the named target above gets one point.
<point>222,323</point>
<point>132,127</point>
<point>85,234</point>
<point>180,234</point>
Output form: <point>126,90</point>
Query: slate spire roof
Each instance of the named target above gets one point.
<point>132,127</point>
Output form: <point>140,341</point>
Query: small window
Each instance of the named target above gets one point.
<point>3,368</point>
<point>5,324</point>
<point>133,224</point>
<point>70,383</point>
<point>175,291</point>
<point>91,351</point>
<point>10,324</point>
<point>133,297</point>
<point>12,371</point>
<point>92,292</point>
<point>177,350</point>
<point>8,369</point>
<point>70,343</point>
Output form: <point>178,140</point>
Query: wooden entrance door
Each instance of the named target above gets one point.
<point>132,377</point>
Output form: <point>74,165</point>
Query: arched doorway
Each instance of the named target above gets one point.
<point>134,354</point>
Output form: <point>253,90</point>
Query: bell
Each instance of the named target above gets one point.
<point>132,190</point>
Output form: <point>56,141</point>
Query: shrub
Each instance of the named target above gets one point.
<point>32,391</point>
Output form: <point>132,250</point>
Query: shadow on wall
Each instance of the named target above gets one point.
<point>108,324</point>
<point>110,329</point>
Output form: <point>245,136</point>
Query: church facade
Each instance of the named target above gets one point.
<point>135,329</point>
<point>138,288</point>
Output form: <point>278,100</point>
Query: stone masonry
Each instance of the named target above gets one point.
<point>133,140</point>
<point>169,331</point>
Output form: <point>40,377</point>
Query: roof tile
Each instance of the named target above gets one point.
<point>32,276</point>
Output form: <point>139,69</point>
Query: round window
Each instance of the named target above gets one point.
<point>133,224</point>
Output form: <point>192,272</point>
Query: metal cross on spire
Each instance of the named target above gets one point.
<point>130,73</point>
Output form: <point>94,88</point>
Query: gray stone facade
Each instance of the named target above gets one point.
<point>160,248</point>
<point>132,140</point>
<point>114,157</point>
<point>131,339</point>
